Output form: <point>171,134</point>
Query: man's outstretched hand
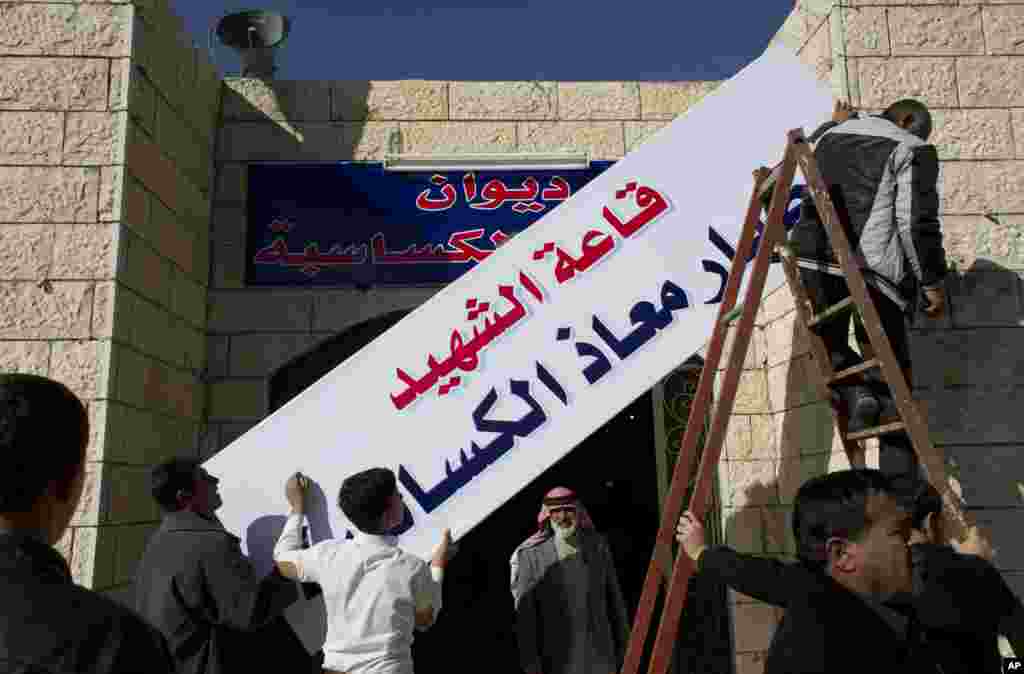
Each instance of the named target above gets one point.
<point>976,543</point>
<point>690,534</point>
<point>295,490</point>
<point>936,302</point>
<point>842,111</point>
<point>444,551</point>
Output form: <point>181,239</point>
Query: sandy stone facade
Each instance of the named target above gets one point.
<point>107,118</point>
<point>123,163</point>
<point>963,60</point>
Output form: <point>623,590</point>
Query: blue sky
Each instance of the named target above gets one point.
<point>507,39</point>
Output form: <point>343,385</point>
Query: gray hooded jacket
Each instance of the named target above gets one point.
<point>883,182</point>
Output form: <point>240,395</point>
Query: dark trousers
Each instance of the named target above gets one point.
<point>896,453</point>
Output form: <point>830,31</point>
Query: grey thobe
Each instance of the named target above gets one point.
<point>570,615</point>
<point>194,585</point>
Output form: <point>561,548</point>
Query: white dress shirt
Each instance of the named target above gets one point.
<point>372,590</point>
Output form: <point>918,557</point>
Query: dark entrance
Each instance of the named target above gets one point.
<point>614,472</point>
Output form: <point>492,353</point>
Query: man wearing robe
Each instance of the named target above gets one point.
<point>570,614</point>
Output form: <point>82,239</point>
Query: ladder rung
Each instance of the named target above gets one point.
<point>876,431</point>
<point>783,250</point>
<point>850,371</point>
<point>733,314</point>
<point>831,312</point>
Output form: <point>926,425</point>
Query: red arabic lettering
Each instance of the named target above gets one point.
<point>558,190</point>
<point>425,202</point>
<point>496,194</point>
<point>461,250</point>
<point>595,245</point>
<point>310,260</point>
<point>650,201</point>
<point>463,355</point>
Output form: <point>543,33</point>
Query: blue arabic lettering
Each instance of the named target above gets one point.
<point>479,458</point>
<point>644,314</point>
<point>789,219</point>
<point>553,386</point>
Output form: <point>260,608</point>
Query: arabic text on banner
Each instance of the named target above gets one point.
<point>503,372</point>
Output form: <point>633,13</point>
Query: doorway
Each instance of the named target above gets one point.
<point>614,472</point>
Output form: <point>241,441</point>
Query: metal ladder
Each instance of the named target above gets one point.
<point>675,574</point>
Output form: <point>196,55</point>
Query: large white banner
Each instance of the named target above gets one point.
<point>478,391</point>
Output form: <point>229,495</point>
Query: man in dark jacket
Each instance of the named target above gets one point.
<point>882,177</point>
<point>49,625</point>
<point>196,586</point>
<point>962,600</point>
<point>851,533</point>
<point>959,601</point>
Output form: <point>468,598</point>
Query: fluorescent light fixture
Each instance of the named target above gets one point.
<point>563,161</point>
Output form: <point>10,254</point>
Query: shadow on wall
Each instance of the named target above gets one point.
<point>294,376</point>
<point>263,533</point>
<point>260,538</point>
<point>285,383</point>
<point>270,121</point>
<point>968,376</point>
<point>790,443</point>
<point>280,121</point>
<point>296,120</point>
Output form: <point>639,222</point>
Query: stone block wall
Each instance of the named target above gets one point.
<point>253,331</point>
<point>780,434</point>
<point>170,94</point>
<point>963,60</point>
<point>59,124</point>
<point>106,128</point>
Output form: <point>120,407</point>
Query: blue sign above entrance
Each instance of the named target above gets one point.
<point>355,223</point>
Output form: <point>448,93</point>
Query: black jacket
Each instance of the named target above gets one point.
<point>194,584</point>
<point>826,628</point>
<point>964,604</point>
<point>49,625</point>
<point>884,184</point>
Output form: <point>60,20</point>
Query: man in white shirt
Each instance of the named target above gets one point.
<point>376,594</point>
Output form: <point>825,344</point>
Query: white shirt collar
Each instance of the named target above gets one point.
<point>387,541</point>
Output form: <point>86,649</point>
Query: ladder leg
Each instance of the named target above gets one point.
<point>855,453</point>
<point>683,468</point>
<point>671,616</point>
<point>931,460</point>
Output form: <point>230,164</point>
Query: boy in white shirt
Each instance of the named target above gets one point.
<point>376,594</point>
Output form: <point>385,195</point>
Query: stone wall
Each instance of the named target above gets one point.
<point>59,121</point>
<point>106,121</point>
<point>156,395</point>
<point>964,61</point>
<point>255,330</point>
<point>780,434</point>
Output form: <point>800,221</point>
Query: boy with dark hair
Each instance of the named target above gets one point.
<point>851,534</point>
<point>196,586</point>
<point>376,594</point>
<point>366,496</point>
<point>49,625</point>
